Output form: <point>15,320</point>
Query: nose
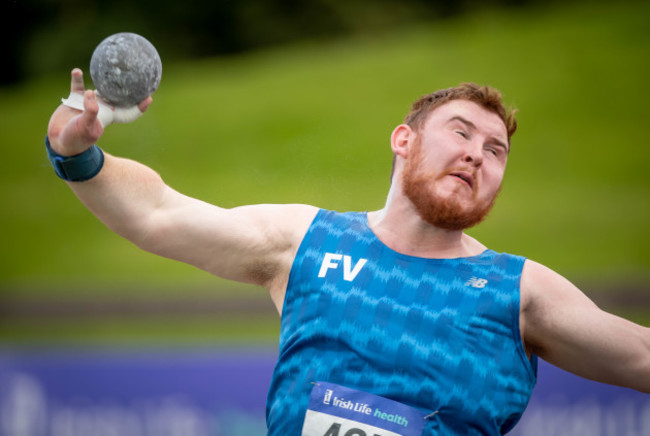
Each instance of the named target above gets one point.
<point>473,154</point>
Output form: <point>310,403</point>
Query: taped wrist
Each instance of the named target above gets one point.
<point>107,114</point>
<point>78,168</point>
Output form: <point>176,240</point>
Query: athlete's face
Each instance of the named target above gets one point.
<point>455,165</point>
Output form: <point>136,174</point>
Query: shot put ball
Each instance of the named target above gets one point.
<point>125,69</point>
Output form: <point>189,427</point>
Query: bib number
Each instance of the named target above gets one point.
<point>339,411</point>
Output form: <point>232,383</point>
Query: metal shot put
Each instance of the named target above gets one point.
<point>125,68</point>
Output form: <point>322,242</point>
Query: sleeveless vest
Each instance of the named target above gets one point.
<point>439,335</point>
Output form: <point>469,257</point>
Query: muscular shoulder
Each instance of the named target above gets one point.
<point>541,286</point>
<point>547,299</point>
<point>289,219</point>
<point>277,229</point>
<point>280,228</point>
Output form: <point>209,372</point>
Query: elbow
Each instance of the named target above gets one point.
<point>133,229</point>
<point>147,237</point>
<point>160,236</point>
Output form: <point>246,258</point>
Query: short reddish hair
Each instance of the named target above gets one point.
<point>485,96</point>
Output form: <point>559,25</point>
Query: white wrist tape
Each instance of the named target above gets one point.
<point>107,114</point>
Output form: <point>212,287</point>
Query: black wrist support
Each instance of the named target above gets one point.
<point>78,168</point>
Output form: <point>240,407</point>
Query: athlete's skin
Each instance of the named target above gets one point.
<point>257,244</point>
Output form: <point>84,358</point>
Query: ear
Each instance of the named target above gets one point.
<point>401,139</point>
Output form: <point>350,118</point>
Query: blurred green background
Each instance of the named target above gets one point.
<point>289,102</point>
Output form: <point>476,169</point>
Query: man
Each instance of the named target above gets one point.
<point>394,321</point>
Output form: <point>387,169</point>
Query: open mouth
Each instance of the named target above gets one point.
<point>465,177</point>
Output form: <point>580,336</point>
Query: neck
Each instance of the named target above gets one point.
<point>400,227</point>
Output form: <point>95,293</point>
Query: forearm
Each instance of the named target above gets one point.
<point>124,196</point>
<point>644,365</point>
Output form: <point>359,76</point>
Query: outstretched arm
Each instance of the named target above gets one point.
<point>253,244</point>
<point>564,327</point>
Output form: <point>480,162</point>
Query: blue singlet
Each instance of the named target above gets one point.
<point>438,335</point>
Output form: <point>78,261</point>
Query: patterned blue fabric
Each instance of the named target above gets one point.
<point>441,335</point>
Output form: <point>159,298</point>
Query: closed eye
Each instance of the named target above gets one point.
<point>496,150</point>
<point>462,133</point>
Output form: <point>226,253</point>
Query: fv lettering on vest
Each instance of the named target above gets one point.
<point>333,261</point>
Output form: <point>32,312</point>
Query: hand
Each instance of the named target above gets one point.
<point>72,131</point>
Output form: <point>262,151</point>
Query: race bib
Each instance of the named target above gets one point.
<point>339,411</point>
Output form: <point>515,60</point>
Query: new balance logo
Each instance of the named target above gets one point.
<point>332,261</point>
<point>476,282</point>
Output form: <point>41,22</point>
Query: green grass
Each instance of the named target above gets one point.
<point>310,123</point>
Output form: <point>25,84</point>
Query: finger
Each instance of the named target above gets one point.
<point>77,81</point>
<point>88,118</point>
<point>144,104</point>
<point>91,107</point>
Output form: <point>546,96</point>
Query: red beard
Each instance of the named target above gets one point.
<point>445,213</point>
